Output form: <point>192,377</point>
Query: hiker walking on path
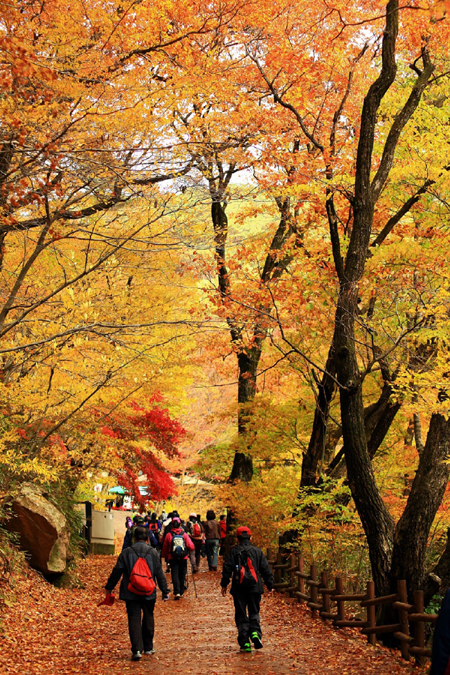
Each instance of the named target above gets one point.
<point>223,532</point>
<point>140,604</point>
<point>247,567</point>
<point>154,527</point>
<point>212,538</point>
<point>138,521</point>
<point>176,548</point>
<point>197,535</point>
<point>189,529</point>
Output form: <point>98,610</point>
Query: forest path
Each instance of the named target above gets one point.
<point>63,632</point>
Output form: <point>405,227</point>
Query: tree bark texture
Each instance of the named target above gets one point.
<point>248,357</point>
<point>376,519</point>
<point>317,440</point>
<point>427,491</point>
<point>248,365</point>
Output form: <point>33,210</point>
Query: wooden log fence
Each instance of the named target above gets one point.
<point>329,603</point>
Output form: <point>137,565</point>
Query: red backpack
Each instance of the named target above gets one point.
<point>141,580</point>
<point>196,531</point>
<point>245,572</point>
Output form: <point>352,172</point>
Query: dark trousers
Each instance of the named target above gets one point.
<point>178,569</point>
<point>198,551</point>
<point>141,624</point>
<point>246,615</point>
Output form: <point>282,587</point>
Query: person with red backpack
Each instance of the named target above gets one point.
<point>176,547</point>
<point>247,567</point>
<point>154,527</point>
<point>223,532</point>
<point>195,530</point>
<point>140,569</point>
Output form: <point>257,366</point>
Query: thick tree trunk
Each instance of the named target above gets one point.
<point>248,366</point>
<point>375,517</point>
<point>376,520</point>
<point>378,418</point>
<point>317,440</point>
<point>249,357</point>
<point>380,421</point>
<point>247,361</point>
<point>427,491</point>
<point>418,432</point>
<point>220,223</point>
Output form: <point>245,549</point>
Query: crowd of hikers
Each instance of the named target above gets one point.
<point>205,538</point>
<point>150,539</point>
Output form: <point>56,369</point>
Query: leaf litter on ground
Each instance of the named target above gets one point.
<point>62,631</point>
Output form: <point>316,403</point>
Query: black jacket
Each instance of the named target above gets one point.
<point>440,657</point>
<point>124,565</point>
<point>129,536</point>
<point>259,560</point>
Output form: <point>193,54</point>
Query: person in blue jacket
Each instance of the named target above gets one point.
<point>440,653</point>
<point>140,608</point>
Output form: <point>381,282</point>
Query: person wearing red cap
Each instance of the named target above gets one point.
<point>247,567</point>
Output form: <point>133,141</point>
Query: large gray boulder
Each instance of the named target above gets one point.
<point>42,529</point>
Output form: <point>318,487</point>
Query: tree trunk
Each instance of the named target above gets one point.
<point>376,520</point>
<point>316,445</point>
<point>249,357</point>
<point>375,517</point>
<point>427,491</point>
<point>248,361</point>
<point>220,224</point>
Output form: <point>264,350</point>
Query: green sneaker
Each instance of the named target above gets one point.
<point>247,647</point>
<point>256,640</point>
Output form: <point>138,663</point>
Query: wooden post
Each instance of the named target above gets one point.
<point>301,580</point>
<point>292,579</point>
<point>313,593</point>
<point>419,626</point>
<point>326,602</point>
<point>371,614</point>
<point>339,585</point>
<point>403,618</point>
<point>278,571</point>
